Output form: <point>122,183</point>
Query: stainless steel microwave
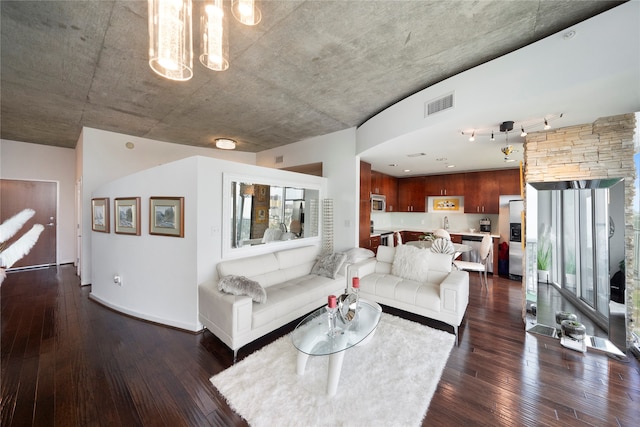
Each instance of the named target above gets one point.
<point>378,203</point>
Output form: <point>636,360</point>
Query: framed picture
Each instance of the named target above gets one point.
<point>100,214</point>
<point>126,212</point>
<point>166,216</point>
<point>446,204</point>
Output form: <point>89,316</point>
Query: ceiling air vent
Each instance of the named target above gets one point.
<point>279,159</point>
<point>439,104</point>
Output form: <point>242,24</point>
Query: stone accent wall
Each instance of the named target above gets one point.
<point>603,149</point>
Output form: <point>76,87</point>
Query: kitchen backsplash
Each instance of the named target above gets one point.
<point>457,222</point>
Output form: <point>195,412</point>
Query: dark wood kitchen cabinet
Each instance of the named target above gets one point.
<point>411,194</point>
<point>411,236</point>
<point>386,185</point>
<point>482,192</point>
<point>444,185</point>
<point>376,183</point>
<point>365,205</point>
<point>509,181</point>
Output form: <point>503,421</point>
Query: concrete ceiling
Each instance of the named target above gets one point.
<point>309,68</point>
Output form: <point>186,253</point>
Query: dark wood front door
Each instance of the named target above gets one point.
<point>40,196</point>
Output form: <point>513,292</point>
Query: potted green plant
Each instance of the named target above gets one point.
<point>427,236</point>
<point>544,255</point>
<point>570,268</point>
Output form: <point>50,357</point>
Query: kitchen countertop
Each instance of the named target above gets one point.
<point>424,230</point>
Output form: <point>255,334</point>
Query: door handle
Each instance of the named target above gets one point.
<point>50,224</point>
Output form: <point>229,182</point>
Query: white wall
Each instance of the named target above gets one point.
<point>535,75</point>
<point>160,274</point>
<point>103,157</point>
<point>340,166</point>
<point>35,162</point>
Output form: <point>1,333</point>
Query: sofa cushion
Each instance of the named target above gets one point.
<point>296,256</point>
<point>328,265</point>
<point>386,254</point>
<point>391,287</point>
<point>250,267</point>
<point>286,296</point>
<point>411,263</point>
<point>240,285</point>
<point>439,262</point>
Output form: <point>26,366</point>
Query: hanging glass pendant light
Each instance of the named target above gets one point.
<point>171,39</point>
<point>214,40</point>
<point>246,11</point>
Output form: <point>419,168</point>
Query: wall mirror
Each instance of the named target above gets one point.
<point>259,212</point>
<point>575,257</point>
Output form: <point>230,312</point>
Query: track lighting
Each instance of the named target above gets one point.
<point>507,126</point>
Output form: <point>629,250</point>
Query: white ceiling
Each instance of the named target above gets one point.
<point>588,71</point>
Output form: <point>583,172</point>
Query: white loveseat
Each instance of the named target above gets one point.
<point>291,291</point>
<point>431,287</point>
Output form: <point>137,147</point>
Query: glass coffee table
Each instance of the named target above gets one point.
<point>311,337</point>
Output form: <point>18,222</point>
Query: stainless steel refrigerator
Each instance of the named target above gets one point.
<point>515,238</point>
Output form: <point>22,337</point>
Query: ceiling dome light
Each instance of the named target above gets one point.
<point>225,144</point>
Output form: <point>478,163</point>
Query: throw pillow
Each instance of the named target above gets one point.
<point>328,265</point>
<point>358,254</point>
<point>240,285</point>
<point>410,263</point>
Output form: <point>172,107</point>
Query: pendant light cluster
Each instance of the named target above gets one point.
<point>171,34</point>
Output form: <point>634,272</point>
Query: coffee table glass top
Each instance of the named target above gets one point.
<point>311,336</point>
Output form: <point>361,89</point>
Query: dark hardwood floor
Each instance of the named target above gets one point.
<point>69,361</point>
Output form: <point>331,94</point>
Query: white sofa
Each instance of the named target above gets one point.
<point>433,289</point>
<point>292,291</point>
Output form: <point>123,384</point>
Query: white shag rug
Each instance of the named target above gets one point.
<point>388,382</point>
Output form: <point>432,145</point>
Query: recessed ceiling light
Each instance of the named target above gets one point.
<point>225,144</point>
<point>451,166</point>
<point>393,165</point>
<point>416,154</point>
<point>407,170</point>
<point>130,145</point>
<point>569,34</point>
